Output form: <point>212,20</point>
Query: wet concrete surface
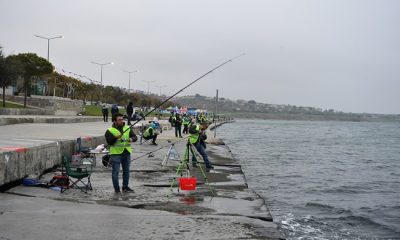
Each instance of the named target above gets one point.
<point>223,209</point>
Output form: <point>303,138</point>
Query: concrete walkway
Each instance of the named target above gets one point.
<point>229,211</point>
<point>19,119</point>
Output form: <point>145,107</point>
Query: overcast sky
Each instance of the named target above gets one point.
<point>330,54</point>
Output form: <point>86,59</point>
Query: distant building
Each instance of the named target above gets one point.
<point>39,86</point>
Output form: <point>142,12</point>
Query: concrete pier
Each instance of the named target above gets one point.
<point>230,211</point>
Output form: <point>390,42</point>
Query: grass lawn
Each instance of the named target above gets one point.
<point>11,105</point>
<point>92,110</point>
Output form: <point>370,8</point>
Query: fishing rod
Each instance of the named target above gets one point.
<point>158,149</point>
<point>181,90</point>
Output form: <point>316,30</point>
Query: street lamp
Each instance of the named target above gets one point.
<point>48,43</point>
<point>160,87</point>
<point>130,72</point>
<point>101,70</point>
<point>101,76</point>
<point>148,85</point>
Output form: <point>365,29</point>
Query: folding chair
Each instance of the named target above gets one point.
<point>76,176</point>
<point>85,152</point>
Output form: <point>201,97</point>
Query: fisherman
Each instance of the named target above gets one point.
<point>178,125</point>
<point>202,119</point>
<point>151,133</point>
<point>186,121</point>
<point>104,110</point>
<point>129,112</point>
<point>114,110</point>
<point>197,137</point>
<point>119,138</point>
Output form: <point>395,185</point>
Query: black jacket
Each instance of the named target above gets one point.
<point>110,139</point>
<point>129,109</point>
<point>178,121</point>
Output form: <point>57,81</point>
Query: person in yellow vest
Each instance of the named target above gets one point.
<point>197,137</point>
<point>119,138</point>
<point>151,133</point>
<point>202,119</point>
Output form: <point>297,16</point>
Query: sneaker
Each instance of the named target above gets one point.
<point>116,191</point>
<point>155,144</point>
<point>127,189</point>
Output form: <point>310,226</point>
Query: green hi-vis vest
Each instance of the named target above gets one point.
<point>186,121</point>
<point>203,118</point>
<point>121,144</point>
<point>194,137</point>
<point>147,132</point>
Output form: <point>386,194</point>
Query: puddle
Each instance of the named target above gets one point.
<point>231,206</point>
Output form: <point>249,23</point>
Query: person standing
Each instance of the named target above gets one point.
<point>104,110</point>
<point>129,112</point>
<point>186,121</point>
<point>178,126</point>
<point>114,110</point>
<point>119,138</point>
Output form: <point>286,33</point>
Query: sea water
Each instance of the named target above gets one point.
<point>323,180</point>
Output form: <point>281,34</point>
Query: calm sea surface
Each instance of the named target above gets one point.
<point>323,180</point>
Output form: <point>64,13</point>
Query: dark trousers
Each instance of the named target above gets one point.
<point>185,129</point>
<point>154,137</point>
<point>116,162</point>
<point>201,148</point>
<point>178,129</point>
<point>105,117</point>
<point>129,117</point>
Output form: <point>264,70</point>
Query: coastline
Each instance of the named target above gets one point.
<point>233,211</point>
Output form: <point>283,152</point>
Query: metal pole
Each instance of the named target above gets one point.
<point>55,84</point>
<point>48,49</point>
<point>48,43</point>
<point>129,90</point>
<point>101,75</point>
<point>101,83</point>
<point>148,85</point>
<point>215,115</point>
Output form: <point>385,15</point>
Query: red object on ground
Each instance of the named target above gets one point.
<point>187,183</point>
<point>17,149</point>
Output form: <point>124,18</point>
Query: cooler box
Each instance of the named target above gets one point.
<point>187,183</point>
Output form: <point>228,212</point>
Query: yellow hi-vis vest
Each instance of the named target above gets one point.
<point>147,132</point>
<point>121,144</point>
<point>194,137</point>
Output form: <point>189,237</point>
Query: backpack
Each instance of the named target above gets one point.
<point>105,160</point>
<point>60,180</point>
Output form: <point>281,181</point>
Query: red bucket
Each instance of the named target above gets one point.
<point>187,183</point>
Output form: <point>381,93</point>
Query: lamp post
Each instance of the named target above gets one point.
<point>101,70</point>
<point>130,72</point>
<point>48,43</point>
<point>148,85</point>
<point>160,87</point>
<point>101,75</point>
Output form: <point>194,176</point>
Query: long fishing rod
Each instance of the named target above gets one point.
<point>158,149</point>
<point>181,90</point>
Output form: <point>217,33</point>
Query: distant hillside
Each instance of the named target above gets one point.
<point>252,109</point>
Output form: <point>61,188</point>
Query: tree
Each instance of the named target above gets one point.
<point>9,71</point>
<point>32,65</point>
